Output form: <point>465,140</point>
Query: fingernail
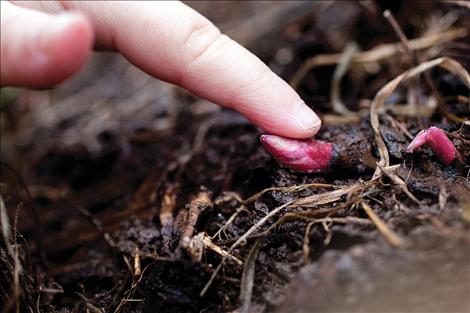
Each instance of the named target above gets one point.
<point>307,119</point>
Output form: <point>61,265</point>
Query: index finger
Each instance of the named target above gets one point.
<point>171,41</point>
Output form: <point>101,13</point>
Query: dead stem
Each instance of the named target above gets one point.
<point>414,83</point>
<point>327,197</point>
<point>384,93</point>
<point>198,142</point>
<point>165,216</point>
<point>391,237</point>
<point>294,215</point>
<point>90,307</point>
<point>405,110</point>
<point>254,197</point>
<point>129,293</point>
<point>342,220</point>
<point>5,223</point>
<point>400,206</point>
<point>400,183</point>
<point>38,229</point>
<point>288,216</point>
<point>209,244</point>
<point>229,222</point>
<point>401,35</point>
<point>195,245</point>
<point>310,201</point>
<point>464,99</point>
<point>170,195</point>
<point>378,53</point>
<point>399,126</point>
<point>13,251</point>
<point>451,116</point>
<point>305,215</point>
<point>240,240</point>
<point>196,207</point>
<point>306,243</point>
<point>248,277</point>
<point>199,243</point>
<point>137,264</point>
<point>341,69</point>
<point>98,226</point>
<point>335,119</point>
<point>443,196</point>
<point>427,77</point>
<point>462,3</point>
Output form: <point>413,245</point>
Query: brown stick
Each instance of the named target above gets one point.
<point>391,237</point>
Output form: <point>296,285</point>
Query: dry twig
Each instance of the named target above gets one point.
<point>378,53</point>
<point>342,68</point>
<point>228,223</point>
<point>248,277</point>
<point>98,226</point>
<point>391,237</point>
<point>201,242</point>
<point>254,197</point>
<point>310,201</point>
<point>327,197</point>
<point>13,251</point>
<point>242,239</point>
<point>196,207</point>
<point>400,183</point>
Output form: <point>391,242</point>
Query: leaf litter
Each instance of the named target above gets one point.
<point>214,223</point>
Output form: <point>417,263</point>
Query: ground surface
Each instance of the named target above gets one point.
<point>127,193</point>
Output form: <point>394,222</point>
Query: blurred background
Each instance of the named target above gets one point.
<point>103,153</point>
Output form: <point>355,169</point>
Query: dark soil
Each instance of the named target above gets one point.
<point>117,186</point>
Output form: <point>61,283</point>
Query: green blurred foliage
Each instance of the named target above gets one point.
<point>8,95</point>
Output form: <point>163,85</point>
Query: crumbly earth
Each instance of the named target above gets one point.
<point>127,193</point>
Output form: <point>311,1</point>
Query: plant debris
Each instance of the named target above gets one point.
<point>130,195</point>
<point>440,144</point>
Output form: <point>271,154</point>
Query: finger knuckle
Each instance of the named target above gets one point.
<point>198,42</point>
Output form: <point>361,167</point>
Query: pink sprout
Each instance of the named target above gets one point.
<point>437,140</point>
<point>303,155</point>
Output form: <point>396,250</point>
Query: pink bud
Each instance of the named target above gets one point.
<point>306,155</point>
<point>437,140</point>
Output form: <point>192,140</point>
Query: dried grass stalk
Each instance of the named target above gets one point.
<point>447,63</point>
<point>248,277</point>
<point>376,54</point>
<point>391,237</point>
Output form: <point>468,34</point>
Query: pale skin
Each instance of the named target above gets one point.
<point>44,43</point>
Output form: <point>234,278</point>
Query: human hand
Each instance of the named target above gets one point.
<point>44,43</point>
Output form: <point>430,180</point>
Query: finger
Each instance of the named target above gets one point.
<point>171,41</point>
<point>39,49</point>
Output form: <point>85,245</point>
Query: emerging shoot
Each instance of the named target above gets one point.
<point>437,140</point>
<point>306,155</point>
